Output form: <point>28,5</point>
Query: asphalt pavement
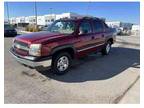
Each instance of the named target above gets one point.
<point>93,79</point>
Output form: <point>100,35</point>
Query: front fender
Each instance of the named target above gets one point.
<point>62,47</point>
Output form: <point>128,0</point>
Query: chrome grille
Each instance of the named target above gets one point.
<point>20,45</point>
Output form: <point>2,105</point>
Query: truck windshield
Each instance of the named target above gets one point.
<point>64,27</point>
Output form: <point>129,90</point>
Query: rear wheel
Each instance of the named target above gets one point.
<point>61,63</point>
<point>106,49</point>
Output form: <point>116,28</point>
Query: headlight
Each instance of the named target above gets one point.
<point>35,50</point>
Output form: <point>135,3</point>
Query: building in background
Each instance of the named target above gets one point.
<point>136,30</point>
<point>42,20</point>
<point>20,20</point>
<point>49,19</point>
<point>68,15</point>
<point>119,24</point>
<point>122,28</point>
<point>26,19</point>
<point>46,20</point>
<point>32,20</point>
<point>13,20</point>
<point>136,27</point>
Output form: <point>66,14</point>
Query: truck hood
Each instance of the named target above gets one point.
<point>38,36</point>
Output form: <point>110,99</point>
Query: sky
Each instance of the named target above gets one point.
<point>112,11</point>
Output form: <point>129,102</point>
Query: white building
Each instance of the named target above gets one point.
<point>119,24</point>
<point>20,20</point>
<point>49,18</point>
<point>43,20</point>
<point>113,24</point>
<point>40,20</point>
<point>67,15</point>
<point>26,19</point>
<point>135,27</point>
<point>32,19</point>
<point>13,20</point>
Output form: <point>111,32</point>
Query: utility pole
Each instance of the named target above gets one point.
<point>7,12</point>
<point>36,13</point>
<point>88,8</point>
<point>50,10</point>
<point>50,14</point>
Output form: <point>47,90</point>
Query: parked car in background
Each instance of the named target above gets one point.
<point>64,40</point>
<point>45,28</point>
<point>9,30</point>
<point>118,31</point>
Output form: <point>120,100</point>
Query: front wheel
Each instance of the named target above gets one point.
<point>61,63</point>
<point>106,49</point>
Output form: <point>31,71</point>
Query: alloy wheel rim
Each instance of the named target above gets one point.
<point>62,63</point>
<point>108,48</point>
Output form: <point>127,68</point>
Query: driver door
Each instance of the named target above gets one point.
<point>86,37</point>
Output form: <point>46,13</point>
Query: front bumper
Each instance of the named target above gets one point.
<point>32,61</point>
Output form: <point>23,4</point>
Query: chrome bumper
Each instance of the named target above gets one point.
<point>32,64</point>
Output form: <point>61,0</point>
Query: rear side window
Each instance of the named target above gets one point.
<point>98,26</point>
<point>85,28</point>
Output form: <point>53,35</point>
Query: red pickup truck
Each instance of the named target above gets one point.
<point>64,40</point>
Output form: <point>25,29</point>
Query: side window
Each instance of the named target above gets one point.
<point>85,28</point>
<point>98,26</point>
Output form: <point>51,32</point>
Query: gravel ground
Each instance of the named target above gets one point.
<point>94,79</point>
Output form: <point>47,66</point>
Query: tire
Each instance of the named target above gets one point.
<point>106,49</point>
<point>61,63</point>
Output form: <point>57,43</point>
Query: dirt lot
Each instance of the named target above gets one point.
<point>94,79</point>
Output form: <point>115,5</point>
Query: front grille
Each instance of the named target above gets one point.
<point>21,45</point>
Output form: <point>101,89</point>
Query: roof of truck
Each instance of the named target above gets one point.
<point>81,18</point>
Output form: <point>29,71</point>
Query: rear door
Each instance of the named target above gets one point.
<point>99,32</point>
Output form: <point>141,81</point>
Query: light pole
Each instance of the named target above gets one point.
<point>7,11</point>
<point>36,13</point>
<point>50,10</point>
<point>88,8</point>
<point>50,14</point>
